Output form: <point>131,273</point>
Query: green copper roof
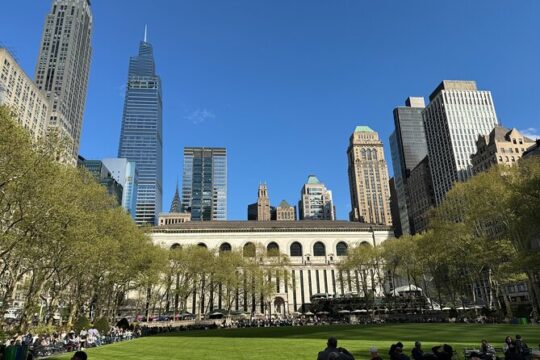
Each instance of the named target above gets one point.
<point>312,179</point>
<point>363,129</point>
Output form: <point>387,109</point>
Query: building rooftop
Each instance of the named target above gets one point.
<point>533,150</point>
<point>453,85</point>
<point>284,204</point>
<point>362,128</point>
<point>272,226</point>
<point>312,179</point>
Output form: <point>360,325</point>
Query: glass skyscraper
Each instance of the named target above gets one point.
<point>141,135</point>
<point>204,183</point>
<point>408,148</point>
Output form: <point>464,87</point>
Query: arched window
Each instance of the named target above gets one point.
<point>363,152</point>
<point>225,247</point>
<point>176,246</point>
<point>365,243</point>
<point>249,250</point>
<point>296,249</point>
<point>272,249</point>
<point>319,249</point>
<point>368,154</point>
<point>341,248</point>
<point>203,245</point>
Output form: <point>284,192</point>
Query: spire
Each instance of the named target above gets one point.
<point>176,205</point>
<point>145,32</point>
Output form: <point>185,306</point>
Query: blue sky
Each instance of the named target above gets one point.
<point>283,83</point>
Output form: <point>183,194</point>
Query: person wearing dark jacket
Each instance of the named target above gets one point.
<point>417,352</point>
<point>333,352</point>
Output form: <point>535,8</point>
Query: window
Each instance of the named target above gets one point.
<point>203,245</point>
<point>176,247</point>
<point>272,249</point>
<point>225,247</point>
<point>342,248</point>
<point>296,249</point>
<point>249,250</point>
<point>319,249</point>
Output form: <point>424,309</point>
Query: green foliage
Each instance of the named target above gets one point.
<point>82,323</point>
<point>43,329</point>
<point>62,233</point>
<point>102,325</point>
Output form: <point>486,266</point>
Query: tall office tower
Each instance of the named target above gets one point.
<point>408,148</point>
<point>394,209</point>
<point>457,113</point>
<point>64,64</point>
<point>102,175</point>
<point>26,101</point>
<point>126,174</point>
<point>316,201</point>
<point>204,185</point>
<point>261,210</point>
<point>368,178</point>
<point>421,197</point>
<point>141,135</point>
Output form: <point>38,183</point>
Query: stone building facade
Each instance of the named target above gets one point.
<point>23,97</point>
<point>285,212</point>
<point>368,178</point>
<point>314,249</point>
<point>501,146</point>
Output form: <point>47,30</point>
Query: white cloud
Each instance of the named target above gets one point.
<point>199,116</point>
<point>531,133</point>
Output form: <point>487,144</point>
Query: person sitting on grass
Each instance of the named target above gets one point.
<point>333,352</point>
<point>487,352</point>
<point>417,352</point>
<point>374,353</point>
<point>396,352</point>
<point>80,355</point>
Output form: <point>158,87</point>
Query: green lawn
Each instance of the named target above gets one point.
<point>305,342</point>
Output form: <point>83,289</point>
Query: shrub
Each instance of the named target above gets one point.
<point>81,323</point>
<point>102,325</point>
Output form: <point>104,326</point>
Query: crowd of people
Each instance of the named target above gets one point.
<point>513,349</point>
<point>24,346</point>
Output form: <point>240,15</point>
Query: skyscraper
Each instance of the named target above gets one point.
<point>368,178</point>
<point>316,201</point>
<point>261,210</point>
<point>141,135</point>
<point>456,115</point>
<point>64,64</point>
<point>126,174</point>
<point>23,97</point>
<point>204,183</point>
<point>102,175</point>
<point>408,148</point>
<point>176,204</point>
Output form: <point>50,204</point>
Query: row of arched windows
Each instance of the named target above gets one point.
<point>295,250</point>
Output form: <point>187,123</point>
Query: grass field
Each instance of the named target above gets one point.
<point>305,342</point>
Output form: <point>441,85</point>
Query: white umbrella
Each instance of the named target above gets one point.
<point>309,313</point>
<point>344,312</point>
